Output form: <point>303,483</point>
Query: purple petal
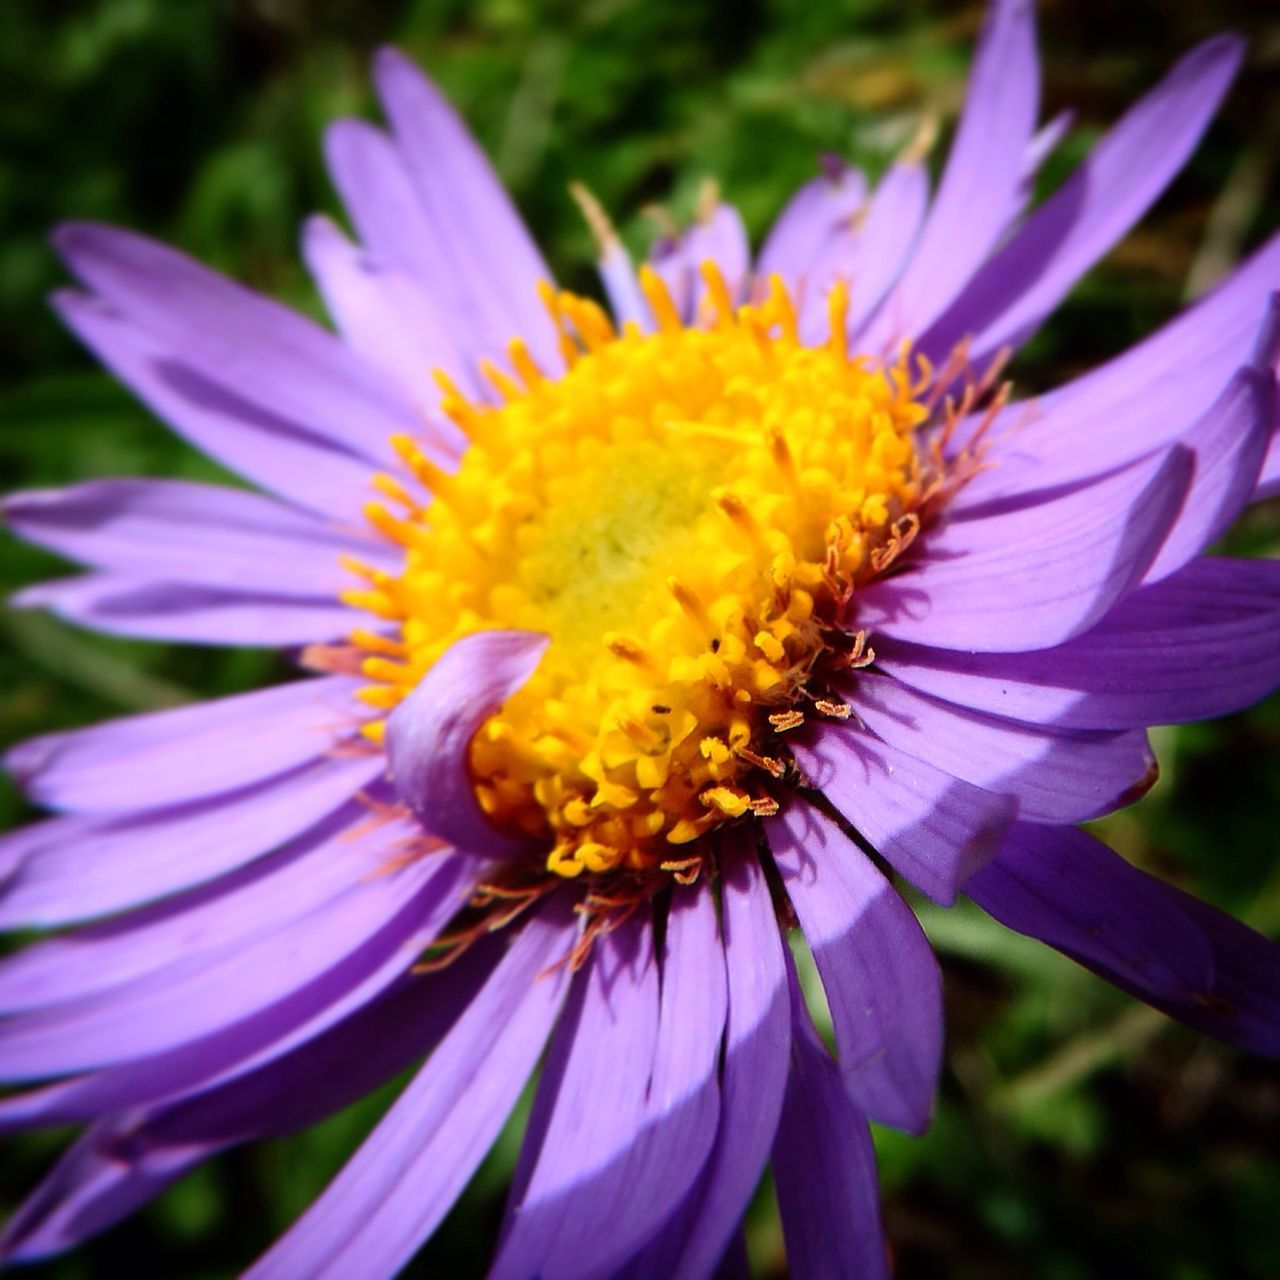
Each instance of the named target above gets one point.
<point>164,757</point>
<point>824,1167</point>
<point>1043,144</point>
<point>1055,776</point>
<point>628,1106</point>
<point>753,1075</point>
<point>1072,892</point>
<point>1185,957</point>
<point>933,828</point>
<point>1243,1006</point>
<point>735,1264</point>
<point>1110,191</point>
<point>881,980</point>
<point>1229,444</point>
<point>686,1066</point>
<point>622,287</point>
<point>379,950</point>
<point>1200,643</point>
<point>127,606</point>
<point>870,257</point>
<point>370,175</point>
<point>239,339</point>
<point>199,534</point>
<point>385,315</point>
<point>349,1060</point>
<point>1031,578</point>
<point>251,439</point>
<point>491,267</point>
<point>402,1181</point>
<point>982,187</point>
<point>72,869</point>
<point>821,211</point>
<point>429,733</point>
<point>719,237</point>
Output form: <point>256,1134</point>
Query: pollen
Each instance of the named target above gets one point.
<point>687,514</point>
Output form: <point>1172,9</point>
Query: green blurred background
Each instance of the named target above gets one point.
<point>1077,1135</point>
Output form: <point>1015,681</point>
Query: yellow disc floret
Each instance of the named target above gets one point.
<point>686,514</point>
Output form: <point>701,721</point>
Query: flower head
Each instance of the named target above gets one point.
<point>635,637</point>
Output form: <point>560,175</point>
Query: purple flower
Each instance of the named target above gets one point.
<point>631,642</point>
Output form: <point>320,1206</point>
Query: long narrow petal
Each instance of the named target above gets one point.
<point>369,171</point>
<point>821,210</point>
<point>1031,578</point>
<point>74,868</point>
<point>1110,191</point>
<point>164,757</point>
<point>239,339</point>
<point>429,733</point>
<point>291,458</point>
<point>404,1178</point>
<point>202,534</point>
<point>928,825</point>
<point>701,1004</point>
<point>386,315</point>
<point>474,225</point>
<point>157,610</point>
<point>1229,444</point>
<point>824,1168</point>
<point>1197,644</point>
<point>1072,892</point>
<point>370,176</point>
<point>982,187</point>
<point>1185,957</point>
<point>1055,776</point>
<point>879,973</point>
<point>628,1110</point>
<point>870,257</point>
<point>621,284</point>
<point>754,1073</point>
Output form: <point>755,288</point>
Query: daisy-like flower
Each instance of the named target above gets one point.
<point>633,639</point>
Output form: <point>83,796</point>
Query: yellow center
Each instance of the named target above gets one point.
<point>686,515</point>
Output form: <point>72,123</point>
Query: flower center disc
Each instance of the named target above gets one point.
<point>686,514</point>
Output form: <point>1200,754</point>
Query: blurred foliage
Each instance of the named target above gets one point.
<point>1077,1134</point>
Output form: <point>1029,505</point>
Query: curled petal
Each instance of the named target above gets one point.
<point>429,733</point>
